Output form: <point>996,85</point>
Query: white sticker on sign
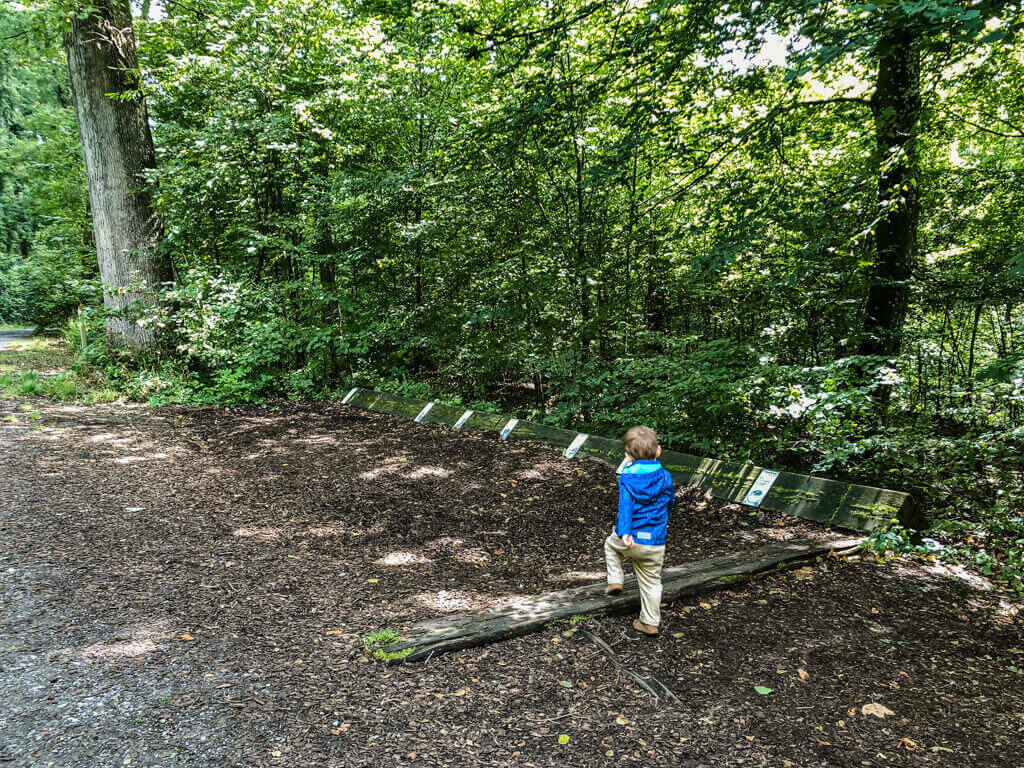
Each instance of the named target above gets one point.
<point>425,411</point>
<point>576,444</point>
<point>760,488</point>
<point>622,465</point>
<point>463,419</point>
<point>507,429</point>
<point>350,395</point>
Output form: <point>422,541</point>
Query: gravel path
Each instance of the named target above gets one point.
<point>13,334</point>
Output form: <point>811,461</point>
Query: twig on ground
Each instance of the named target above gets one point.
<point>652,685</point>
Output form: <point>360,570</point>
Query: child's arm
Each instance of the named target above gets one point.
<point>624,522</point>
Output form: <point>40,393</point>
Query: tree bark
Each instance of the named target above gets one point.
<point>118,150</point>
<point>897,107</point>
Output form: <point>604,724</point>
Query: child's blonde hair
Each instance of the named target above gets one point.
<point>641,442</point>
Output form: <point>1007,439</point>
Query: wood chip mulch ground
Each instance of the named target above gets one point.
<point>189,587</point>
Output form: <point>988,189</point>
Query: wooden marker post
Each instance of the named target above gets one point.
<point>425,411</point>
<point>576,444</point>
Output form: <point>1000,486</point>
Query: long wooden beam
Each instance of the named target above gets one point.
<point>454,632</point>
<point>843,505</point>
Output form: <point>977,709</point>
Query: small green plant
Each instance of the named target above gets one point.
<point>376,645</point>
<point>574,620</point>
<point>891,538</point>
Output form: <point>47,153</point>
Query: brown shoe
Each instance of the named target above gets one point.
<point>646,629</point>
<point>613,589</point>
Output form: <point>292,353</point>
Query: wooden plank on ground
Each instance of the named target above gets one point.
<point>530,614</point>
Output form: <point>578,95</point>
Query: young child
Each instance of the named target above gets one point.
<point>646,496</point>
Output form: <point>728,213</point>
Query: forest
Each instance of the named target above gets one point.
<point>788,231</point>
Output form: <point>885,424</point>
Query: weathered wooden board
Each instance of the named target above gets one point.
<point>384,402</point>
<point>843,505</point>
<point>486,422</point>
<point>603,449</point>
<point>529,614</point>
<point>443,414</point>
<point>542,433</point>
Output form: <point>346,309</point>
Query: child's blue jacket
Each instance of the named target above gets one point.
<point>646,495</point>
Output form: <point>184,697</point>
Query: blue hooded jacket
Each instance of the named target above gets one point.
<point>646,495</point>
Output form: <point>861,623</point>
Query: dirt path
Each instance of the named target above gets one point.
<point>13,334</point>
<point>188,587</point>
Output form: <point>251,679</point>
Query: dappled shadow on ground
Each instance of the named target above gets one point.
<point>191,584</point>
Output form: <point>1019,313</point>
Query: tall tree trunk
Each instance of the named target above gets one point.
<point>118,150</point>
<point>897,107</point>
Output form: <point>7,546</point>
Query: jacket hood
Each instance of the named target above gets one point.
<point>646,480</point>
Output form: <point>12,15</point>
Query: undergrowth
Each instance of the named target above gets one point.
<point>992,547</point>
<point>44,367</point>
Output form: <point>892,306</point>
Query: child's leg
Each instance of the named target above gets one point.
<point>647,563</point>
<point>613,550</point>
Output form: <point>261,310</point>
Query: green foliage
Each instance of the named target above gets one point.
<point>46,264</point>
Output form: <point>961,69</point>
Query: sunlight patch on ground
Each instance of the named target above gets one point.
<point>325,531</point>
<point>448,601</point>
<point>142,639</point>
<point>403,558</point>
<point>529,474</point>
<point>133,459</point>
<point>388,467</point>
<point>960,573</point>
<point>263,534</point>
<point>1008,611</point>
<point>319,440</point>
<point>421,472</point>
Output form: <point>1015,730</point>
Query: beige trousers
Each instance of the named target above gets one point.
<point>647,563</point>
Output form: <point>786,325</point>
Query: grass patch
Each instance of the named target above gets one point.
<point>41,367</point>
<point>375,645</point>
<point>40,354</point>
